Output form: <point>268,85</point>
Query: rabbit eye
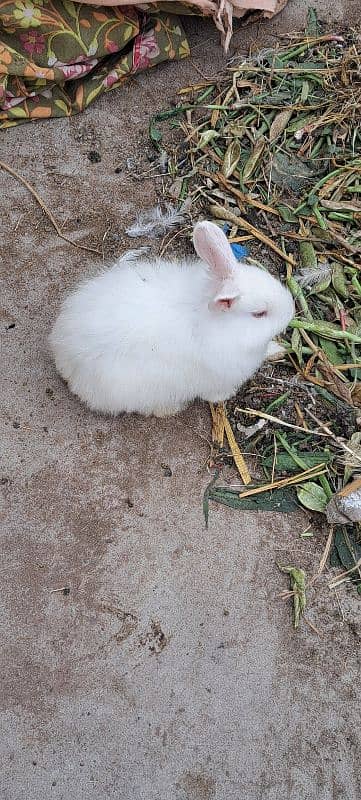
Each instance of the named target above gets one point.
<point>259,314</point>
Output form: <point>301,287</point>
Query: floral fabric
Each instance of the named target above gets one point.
<point>57,56</point>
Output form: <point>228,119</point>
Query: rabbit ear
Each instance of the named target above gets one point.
<point>212,245</point>
<point>229,292</point>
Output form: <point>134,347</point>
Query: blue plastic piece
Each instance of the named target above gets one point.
<point>238,249</point>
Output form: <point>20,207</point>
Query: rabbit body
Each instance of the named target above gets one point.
<point>151,337</point>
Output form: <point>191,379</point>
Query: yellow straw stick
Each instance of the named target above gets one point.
<point>236,453</point>
<point>313,472</point>
<point>218,416</point>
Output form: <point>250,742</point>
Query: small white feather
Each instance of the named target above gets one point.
<point>156,222</point>
<point>312,276</point>
<point>132,255</point>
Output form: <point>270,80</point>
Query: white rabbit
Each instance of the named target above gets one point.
<point>150,337</point>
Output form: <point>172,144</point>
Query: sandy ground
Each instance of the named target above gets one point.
<point>142,657</point>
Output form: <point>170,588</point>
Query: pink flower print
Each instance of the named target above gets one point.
<point>75,70</point>
<point>144,50</point>
<point>82,59</point>
<point>111,79</point>
<point>33,42</point>
<point>11,101</point>
<point>112,47</point>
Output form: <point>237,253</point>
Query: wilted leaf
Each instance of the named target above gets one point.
<point>296,342</point>
<point>356,394</point>
<point>338,280</point>
<point>231,158</point>
<point>253,160</point>
<point>312,496</point>
<point>206,137</point>
<point>346,551</point>
<point>155,134</point>
<point>298,587</point>
<point>343,206</point>
<point>300,122</point>
<point>321,287</point>
<point>279,124</point>
<point>304,91</point>
<point>283,500</point>
<point>287,214</point>
<point>289,172</point>
<point>308,255</point>
<point>285,463</point>
<point>334,383</point>
<point>206,497</point>
<point>345,505</point>
<point>352,461</point>
<point>236,130</point>
<point>313,25</point>
<point>332,352</point>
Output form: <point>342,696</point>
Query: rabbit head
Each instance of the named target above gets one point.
<point>241,290</point>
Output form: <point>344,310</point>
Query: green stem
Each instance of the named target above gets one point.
<point>297,51</point>
<point>325,486</point>
<point>323,329</point>
<point>298,295</point>
<point>295,457</point>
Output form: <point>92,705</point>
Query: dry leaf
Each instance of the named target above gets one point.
<point>254,158</point>
<point>231,158</point>
<point>279,124</point>
<point>335,384</point>
<point>356,394</point>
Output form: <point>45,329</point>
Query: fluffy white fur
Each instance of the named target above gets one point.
<point>150,337</point>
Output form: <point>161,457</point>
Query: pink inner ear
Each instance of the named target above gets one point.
<point>212,246</point>
<point>225,303</point>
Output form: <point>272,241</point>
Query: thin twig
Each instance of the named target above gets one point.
<point>329,433</point>
<point>343,575</point>
<point>342,615</point>
<point>252,413</point>
<point>325,556</point>
<point>105,234</point>
<point>45,209</point>
<point>307,474</point>
<point>243,198</point>
<point>274,458</point>
<point>312,626</point>
<point>223,213</point>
